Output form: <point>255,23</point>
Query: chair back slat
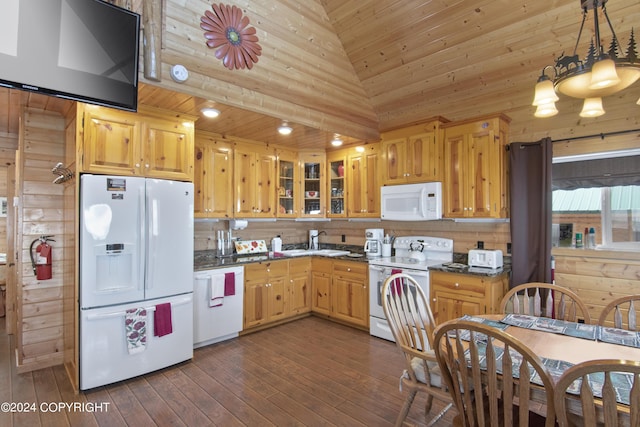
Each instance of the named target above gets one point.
<point>632,316</point>
<point>537,303</point>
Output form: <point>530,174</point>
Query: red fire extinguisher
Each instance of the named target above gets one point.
<point>41,261</point>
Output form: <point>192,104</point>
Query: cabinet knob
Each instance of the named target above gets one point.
<point>268,270</point>
<point>457,284</point>
<point>137,165</point>
<point>435,299</point>
<point>146,165</point>
<point>348,268</point>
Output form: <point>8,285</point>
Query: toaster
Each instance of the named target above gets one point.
<point>485,258</point>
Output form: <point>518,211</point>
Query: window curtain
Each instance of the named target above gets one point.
<point>609,172</point>
<point>530,196</point>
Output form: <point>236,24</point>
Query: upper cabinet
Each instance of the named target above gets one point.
<point>363,182</point>
<point>288,183</point>
<point>254,171</point>
<point>336,187</point>
<point>413,154</point>
<point>213,176</point>
<point>149,143</point>
<point>476,168</point>
<point>312,167</point>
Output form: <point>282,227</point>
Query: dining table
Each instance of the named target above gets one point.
<point>560,344</point>
<point>572,349</point>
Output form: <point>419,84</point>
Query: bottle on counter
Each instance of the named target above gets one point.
<point>276,244</point>
<point>591,238</point>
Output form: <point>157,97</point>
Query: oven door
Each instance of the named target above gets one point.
<point>378,325</point>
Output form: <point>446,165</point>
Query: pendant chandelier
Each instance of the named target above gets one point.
<point>600,74</point>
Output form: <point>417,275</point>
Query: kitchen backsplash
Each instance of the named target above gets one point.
<point>494,235</point>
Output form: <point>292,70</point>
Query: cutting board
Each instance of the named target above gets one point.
<point>250,246</point>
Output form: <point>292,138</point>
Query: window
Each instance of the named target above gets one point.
<point>600,192</point>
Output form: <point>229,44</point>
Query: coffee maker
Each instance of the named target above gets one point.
<point>373,242</point>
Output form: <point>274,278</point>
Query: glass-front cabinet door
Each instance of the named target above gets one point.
<point>337,188</point>
<point>312,166</point>
<point>288,179</point>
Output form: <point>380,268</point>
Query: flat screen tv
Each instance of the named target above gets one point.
<point>84,50</point>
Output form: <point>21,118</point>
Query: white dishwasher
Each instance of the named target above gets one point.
<point>221,320</point>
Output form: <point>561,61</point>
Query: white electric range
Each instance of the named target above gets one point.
<point>413,256</point>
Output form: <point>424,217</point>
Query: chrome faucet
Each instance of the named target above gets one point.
<point>313,239</point>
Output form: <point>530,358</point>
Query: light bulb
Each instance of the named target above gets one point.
<point>285,129</point>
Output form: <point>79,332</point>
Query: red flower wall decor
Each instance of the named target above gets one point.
<point>227,30</point>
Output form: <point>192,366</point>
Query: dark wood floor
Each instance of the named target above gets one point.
<point>308,372</point>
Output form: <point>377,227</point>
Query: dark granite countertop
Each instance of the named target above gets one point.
<point>206,259</point>
<point>459,268</point>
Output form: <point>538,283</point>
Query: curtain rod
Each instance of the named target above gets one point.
<point>600,135</point>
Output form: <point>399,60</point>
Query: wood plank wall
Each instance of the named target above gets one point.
<point>597,277</point>
<point>39,334</point>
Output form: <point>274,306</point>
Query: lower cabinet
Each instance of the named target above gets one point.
<point>453,295</point>
<point>300,285</point>
<point>276,290</point>
<point>340,290</point>
<point>265,293</point>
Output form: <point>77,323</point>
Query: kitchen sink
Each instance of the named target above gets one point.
<point>330,252</point>
<point>296,252</point>
<point>321,252</point>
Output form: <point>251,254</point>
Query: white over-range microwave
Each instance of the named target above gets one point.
<point>411,202</point>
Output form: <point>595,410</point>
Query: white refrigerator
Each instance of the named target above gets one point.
<point>136,276</point>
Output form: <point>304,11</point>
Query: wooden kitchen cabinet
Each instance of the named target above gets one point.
<point>321,276</point>
<point>149,143</point>
<point>350,292</point>
<point>363,182</point>
<point>300,285</point>
<point>453,295</point>
<point>265,293</point>
<point>312,189</point>
<point>254,170</point>
<point>288,184</point>
<point>340,290</point>
<point>336,184</point>
<point>213,177</point>
<point>413,154</point>
<point>476,168</point>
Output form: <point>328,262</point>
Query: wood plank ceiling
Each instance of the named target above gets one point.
<point>358,68</point>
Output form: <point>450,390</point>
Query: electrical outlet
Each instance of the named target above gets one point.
<point>344,238</point>
<point>480,244</point>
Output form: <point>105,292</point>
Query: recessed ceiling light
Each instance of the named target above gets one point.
<point>336,142</point>
<point>211,113</point>
<point>360,149</point>
<point>285,129</point>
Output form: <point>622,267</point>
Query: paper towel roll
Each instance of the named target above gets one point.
<point>238,224</point>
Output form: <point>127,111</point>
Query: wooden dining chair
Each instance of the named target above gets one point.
<point>488,373</point>
<point>612,314</point>
<point>407,310</point>
<point>535,299</point>
<point>594,389</point>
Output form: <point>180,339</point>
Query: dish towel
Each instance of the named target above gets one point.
<point>229,284</point>
<point>162,320</point>
<point>135,327</point>
<point>216,290</point>
<point>397,283</point>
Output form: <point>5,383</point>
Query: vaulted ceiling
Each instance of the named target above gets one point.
<point>358,68</point>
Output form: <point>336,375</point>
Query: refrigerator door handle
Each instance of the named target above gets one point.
<point>152,230</point>
<point>142,245</point>
<point>150,309</point>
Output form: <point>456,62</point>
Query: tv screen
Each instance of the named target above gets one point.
<point>85,50</point>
